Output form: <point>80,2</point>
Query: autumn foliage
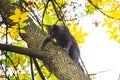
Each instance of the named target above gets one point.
<point>49,12</point>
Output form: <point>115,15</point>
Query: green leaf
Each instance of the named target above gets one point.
<point>90,9</point>
<point>11,54</point>
<point>48,20</point>
<point>12,1</point>
<point>3,61</point>
<point>28,77</point>
<point>59,23</point>
<point>21,43</point>
<point>22,25</point>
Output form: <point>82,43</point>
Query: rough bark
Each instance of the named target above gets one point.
<point>54,58</point>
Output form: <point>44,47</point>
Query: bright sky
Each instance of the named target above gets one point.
<point>99,53</point>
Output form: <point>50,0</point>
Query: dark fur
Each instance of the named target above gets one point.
<point>65,40</point>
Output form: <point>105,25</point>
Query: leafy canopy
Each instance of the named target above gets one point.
<point>55,13</point>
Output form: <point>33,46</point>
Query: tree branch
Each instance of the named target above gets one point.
<point>20,50</point>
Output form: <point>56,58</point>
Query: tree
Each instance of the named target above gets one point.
<point>24,22</point>
<point>18,56</point>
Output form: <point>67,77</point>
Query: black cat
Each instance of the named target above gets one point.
<point>65,40</point>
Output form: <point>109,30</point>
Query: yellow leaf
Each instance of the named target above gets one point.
<point>17,12</point>
<point>18,17</point>
<point>104,24</point>
<point>68,25</point>
<point>111,37</point>
<point>85,34</point>
<point>15,26</point>
<point>81,29</point>
<point>2,30</point>
<point>23,16</point>
<point>73,20</point>
<point>14,18</point>
<point>92,75</point>
<point>115,36</point>
<point>52,77</point>
<point>37,77</point>
<point>115,29</point>
<point>80,39</point>
<point>22,31</point>
<point>61,2</point>
<point>118,41</point>
<point>110,24</point>
<point>76,32</point>
<point>14,34</point>
<point>22,76</point>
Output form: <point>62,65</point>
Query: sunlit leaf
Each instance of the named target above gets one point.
<point>14,34</point>
<point>90,9</point>
<point>52,77</point>
<point>3,61</point>
<point>21,43</point>
<point>12,1</point>
<point>24,16</point>
<point>48,19</point>
<point>119,41</point>
<point>38,77</point>
<point>14,18</point>
<point>92,76</point>
<point>15,26</point>
<point>77,32</point>
<point>11,54</point>
<point>59,23</point>
<point>45,71</point>
<point>17,12</point>
<point>22,25</point>
<point>110,24</point>
<point>85,34</point>
<point>61,2</point>
<point>2,30</point>
<point>18,17</point>
<point>22,76</point>
<point>22,31</point>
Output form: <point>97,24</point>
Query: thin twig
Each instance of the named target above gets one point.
<point>100,9</point>
<point>38,68</point>
<point>32,72</point>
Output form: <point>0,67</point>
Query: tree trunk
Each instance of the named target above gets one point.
<point>54,57</point>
